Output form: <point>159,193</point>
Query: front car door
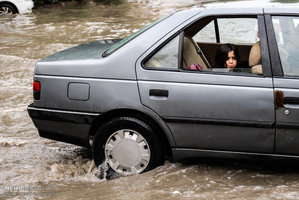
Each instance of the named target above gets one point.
<point>283,31</point>
<point>211,109</point>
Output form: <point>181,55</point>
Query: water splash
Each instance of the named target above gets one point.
<point>9,142</point>
<point>105,172</point>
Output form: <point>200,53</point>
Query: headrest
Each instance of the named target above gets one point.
<point>255,57</point>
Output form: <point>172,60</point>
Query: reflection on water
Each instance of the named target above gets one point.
<point>36,168</point>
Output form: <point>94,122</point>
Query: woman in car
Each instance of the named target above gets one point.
<point>227,56</point>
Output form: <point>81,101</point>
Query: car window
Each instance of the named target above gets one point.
<point>225,32</point>
<point>287,38</point>
<point>238,30</point>
<point>231,30</point>
<point>207,34</point>
<point>166,57</point>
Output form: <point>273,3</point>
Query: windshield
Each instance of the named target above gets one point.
<point>131,37</point>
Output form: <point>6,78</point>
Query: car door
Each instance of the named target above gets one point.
<point>285,33</point>
<point>209,109</point>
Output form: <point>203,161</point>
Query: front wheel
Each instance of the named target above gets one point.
<point>128,145</point>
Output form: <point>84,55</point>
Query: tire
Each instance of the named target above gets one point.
<point>7,9</point>
<point>128,145</point>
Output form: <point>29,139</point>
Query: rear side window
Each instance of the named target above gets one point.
<point>287,38</point>
<point>166,57</point>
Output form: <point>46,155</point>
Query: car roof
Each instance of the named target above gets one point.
<point>281,10</point>
<point>245,11</point>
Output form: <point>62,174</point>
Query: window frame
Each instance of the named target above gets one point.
<point>273,48</point>
<point>267,72</point>
<point>274,52</point>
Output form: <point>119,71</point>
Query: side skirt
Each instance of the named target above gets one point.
<point>180,154</point>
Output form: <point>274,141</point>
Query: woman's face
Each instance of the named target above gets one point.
<point>231,61</point>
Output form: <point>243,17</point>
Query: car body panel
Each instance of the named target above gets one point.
<point>207,106</point>
<point>112,94</point>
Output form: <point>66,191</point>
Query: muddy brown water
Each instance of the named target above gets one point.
<point>36,168</point>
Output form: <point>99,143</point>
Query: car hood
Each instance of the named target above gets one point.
<point>90,50</point>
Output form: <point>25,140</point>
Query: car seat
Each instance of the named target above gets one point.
<point>193,55</point>
<point>255,59</point>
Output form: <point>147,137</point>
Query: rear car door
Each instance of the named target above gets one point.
<point>283,31</point>
<point>209,109</point>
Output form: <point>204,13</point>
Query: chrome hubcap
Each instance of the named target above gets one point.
<point>127,152</point>
<point>5,11</point>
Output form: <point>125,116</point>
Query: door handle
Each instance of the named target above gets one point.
<point>291,100</point>
<point>281,100</point>
<point>158,92</point>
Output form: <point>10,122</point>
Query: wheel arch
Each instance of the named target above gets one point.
<point>160,129</point>
<point>11,4</point>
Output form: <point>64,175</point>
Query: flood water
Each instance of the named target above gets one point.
<point>36,168</point>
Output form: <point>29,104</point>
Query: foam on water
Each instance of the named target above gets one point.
<point>12,141</point>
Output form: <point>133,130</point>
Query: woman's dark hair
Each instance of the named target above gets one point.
<point>222,54</point>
